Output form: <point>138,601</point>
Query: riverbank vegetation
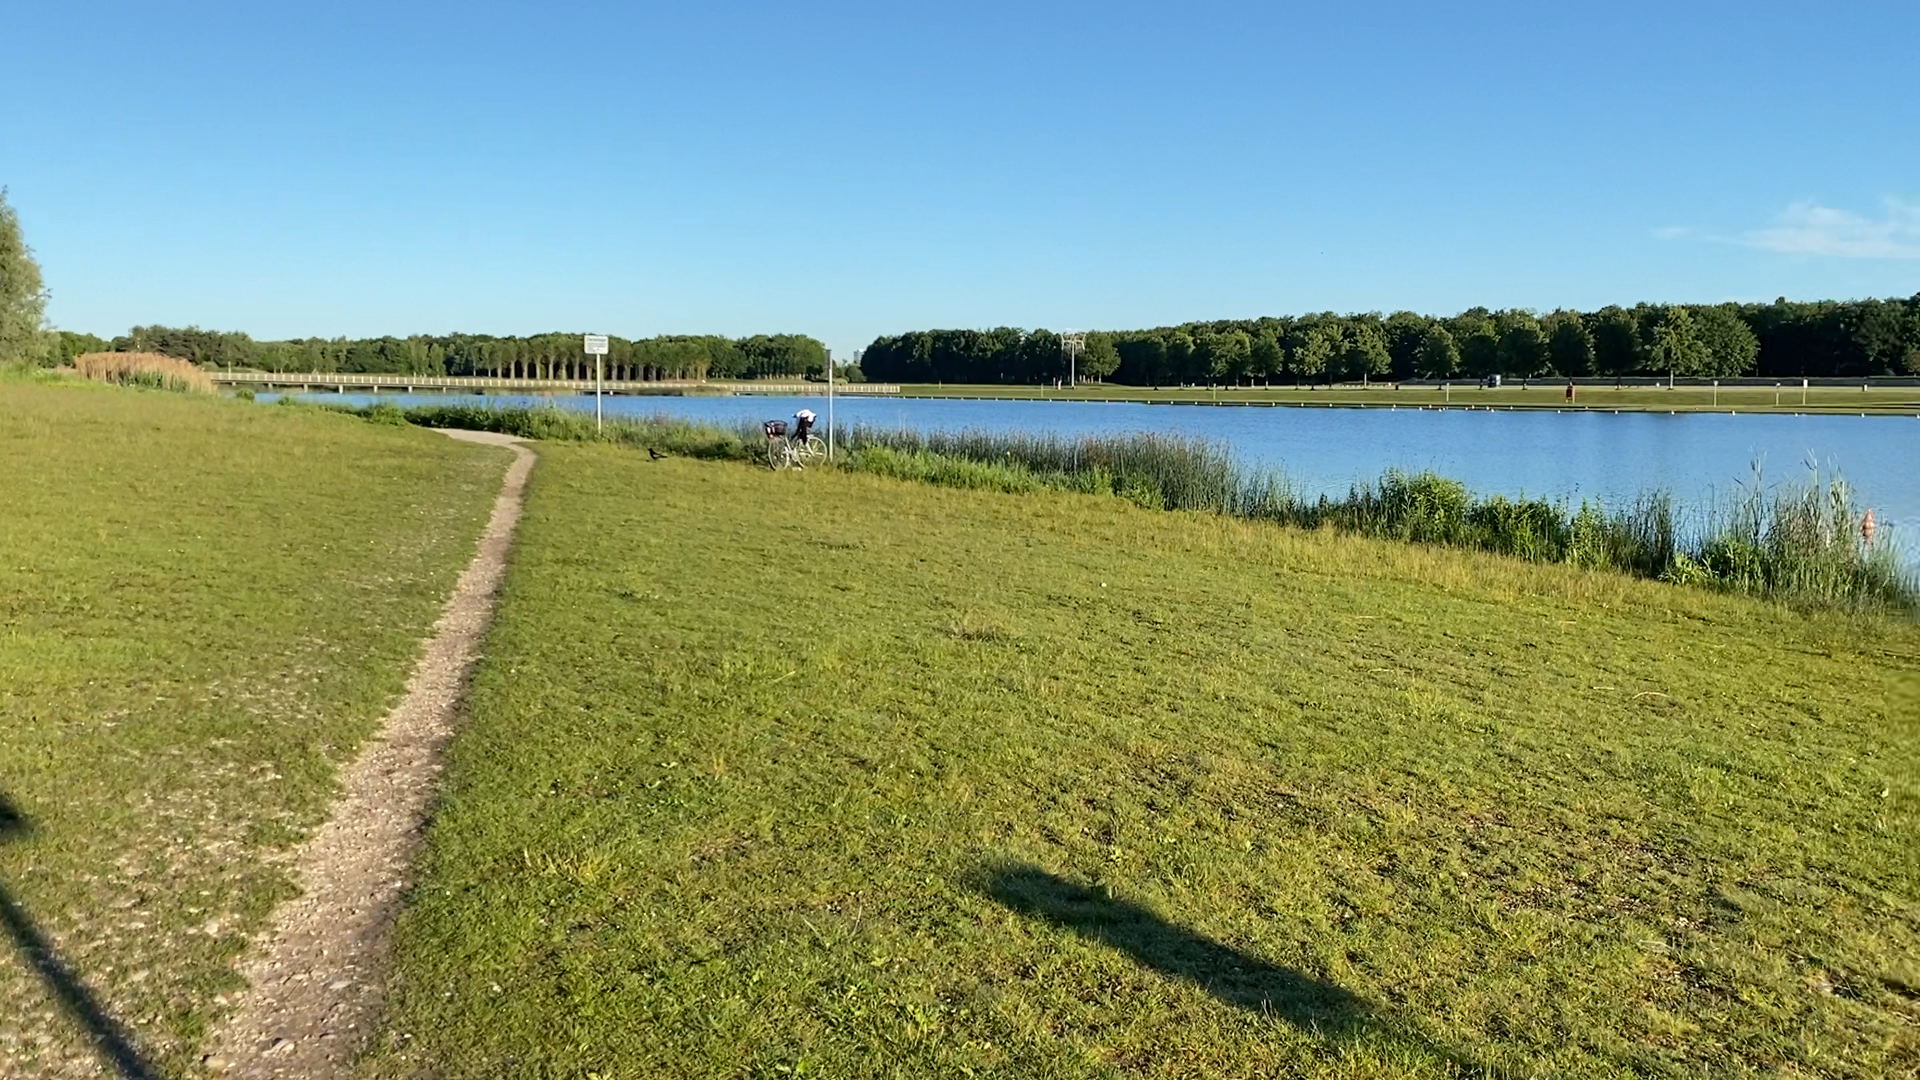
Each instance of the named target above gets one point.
<point>1797,541</point>
<point>824,774</point>
<point>1856,338</point>
<point>204,607</point>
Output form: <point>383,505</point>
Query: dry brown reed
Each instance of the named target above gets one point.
<point>143,369</point>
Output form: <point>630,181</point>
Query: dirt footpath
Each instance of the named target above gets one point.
<point>318,973</point>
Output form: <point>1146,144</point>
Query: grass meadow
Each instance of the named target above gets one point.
<point>204,606</point>
<point>830,774</point>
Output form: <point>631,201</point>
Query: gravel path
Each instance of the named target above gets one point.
<point>317,975</point>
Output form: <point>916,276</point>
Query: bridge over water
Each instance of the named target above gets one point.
<point>358,382</point>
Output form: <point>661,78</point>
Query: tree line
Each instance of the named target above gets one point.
<point>543,356</point>
<point>1855,338</point>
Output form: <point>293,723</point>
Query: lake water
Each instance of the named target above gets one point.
<point>1700,457</point>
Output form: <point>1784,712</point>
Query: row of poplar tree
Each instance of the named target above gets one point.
<point>1782,339</point>
<point>556,356</point>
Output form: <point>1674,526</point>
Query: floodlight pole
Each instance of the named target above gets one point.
<point>1072,343</point>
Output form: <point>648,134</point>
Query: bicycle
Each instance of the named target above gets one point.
<point>786,452</point>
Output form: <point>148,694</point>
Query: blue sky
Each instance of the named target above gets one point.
<point>850,169</point>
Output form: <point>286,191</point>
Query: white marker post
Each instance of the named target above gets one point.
<point>829,404</point>
<point>596,346</point>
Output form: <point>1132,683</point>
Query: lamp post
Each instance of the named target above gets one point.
<point>1072,344</point>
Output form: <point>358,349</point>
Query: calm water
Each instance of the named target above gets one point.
<point>1699,457</point>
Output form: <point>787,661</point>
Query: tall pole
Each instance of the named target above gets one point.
<point>1071,343</point>
<point>595,345</point>
<point>829,404</point>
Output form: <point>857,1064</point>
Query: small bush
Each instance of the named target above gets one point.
<point>1589,539</point>
<point>385,412</point>
<point>1683,570</point>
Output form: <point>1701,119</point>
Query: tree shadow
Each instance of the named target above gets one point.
<point>1230,975</point>
<point>107,1033</point>
<point>1227,973</point>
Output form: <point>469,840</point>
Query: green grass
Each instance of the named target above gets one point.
<point>1540,394</point>
<point>204,606</point>
<point>828,774</point>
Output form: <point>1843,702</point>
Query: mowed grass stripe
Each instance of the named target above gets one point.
<point>204,606</point>
<point>832,775</point>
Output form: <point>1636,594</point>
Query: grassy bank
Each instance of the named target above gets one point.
<point>1797,541</point>
<point>825,774</point>
<point>204,606</point>
<point>1541,394</point>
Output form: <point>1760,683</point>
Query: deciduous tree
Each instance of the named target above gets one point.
<point>23,295</point>
<point>1523,347</point>
<point>1677,348</point>
<point>1439,357</point>
<point>1569,345</point>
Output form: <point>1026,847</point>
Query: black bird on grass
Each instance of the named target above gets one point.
<point>654,454</point>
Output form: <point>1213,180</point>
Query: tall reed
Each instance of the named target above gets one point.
<point>150,370</point>
<point>1801,540</point>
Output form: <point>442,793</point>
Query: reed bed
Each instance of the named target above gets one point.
<point>1797,541</point>
<point>150,370</point>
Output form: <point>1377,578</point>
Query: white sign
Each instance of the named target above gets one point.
<point>596,344</point>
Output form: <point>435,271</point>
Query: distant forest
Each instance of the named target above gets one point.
<point>1778,340</point>
<point>555,355</point>
<point>1784,339</point>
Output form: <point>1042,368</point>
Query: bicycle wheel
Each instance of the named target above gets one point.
<point>815,448</point>
<point>778,456</point>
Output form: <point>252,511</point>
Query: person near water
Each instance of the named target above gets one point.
<point>802,425</point>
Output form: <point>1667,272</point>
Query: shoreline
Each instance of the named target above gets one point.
<point>1818,401</point>
<point>1394,406</point>
<point>1898,400</point>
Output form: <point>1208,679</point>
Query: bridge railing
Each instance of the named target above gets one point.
<point>335,379</point>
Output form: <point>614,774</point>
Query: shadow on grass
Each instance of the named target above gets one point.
<point>1230,975</point>
<point>112,1039</point>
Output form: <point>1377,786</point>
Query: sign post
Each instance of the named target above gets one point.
<point>596,346</point>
